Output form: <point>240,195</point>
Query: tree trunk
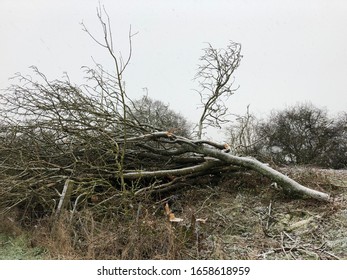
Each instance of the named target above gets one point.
<point>261,168</point>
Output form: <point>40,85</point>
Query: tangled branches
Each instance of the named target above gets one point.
<point>103,142</point>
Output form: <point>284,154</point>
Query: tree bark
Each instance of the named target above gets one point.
<point>174,172</point>
<point>221,157</point>
<point>263,169</point>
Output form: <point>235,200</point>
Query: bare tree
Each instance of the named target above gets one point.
<point>243,135</point>
<point>215,81</point>
<point>157,116</point>
<point>115,87</point>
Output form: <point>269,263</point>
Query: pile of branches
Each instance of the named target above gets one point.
<point>52,131</point>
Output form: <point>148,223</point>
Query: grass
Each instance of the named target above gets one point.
<point>18,248</point>
<point>224,217</point>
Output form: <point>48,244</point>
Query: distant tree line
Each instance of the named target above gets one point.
<point>299,135</point>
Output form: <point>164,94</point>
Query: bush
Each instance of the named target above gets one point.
<point>335,154</point>
<point>304,134</point>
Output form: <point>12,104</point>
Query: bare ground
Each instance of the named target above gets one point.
<point>237,216</point>
<point>250,219</point>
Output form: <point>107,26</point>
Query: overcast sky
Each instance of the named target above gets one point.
<point>294,51</point>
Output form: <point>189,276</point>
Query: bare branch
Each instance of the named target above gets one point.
<point>214,78</point>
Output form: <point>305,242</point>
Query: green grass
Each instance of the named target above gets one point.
<point>17,248</point>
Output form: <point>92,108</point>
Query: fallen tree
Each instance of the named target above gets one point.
<point>215,156</point>
<point>99,140</point>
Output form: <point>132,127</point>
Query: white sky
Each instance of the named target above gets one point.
<point>294,51</point>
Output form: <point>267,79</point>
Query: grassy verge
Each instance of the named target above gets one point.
<point>18,248</point>
<point>243,218</point>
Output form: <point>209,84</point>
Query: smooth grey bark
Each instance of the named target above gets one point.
<point>263,169</point>
<point>173,172</point>
<point>219,152</point>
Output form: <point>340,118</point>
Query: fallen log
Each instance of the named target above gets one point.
<point>263,169</point>
<point>218,152</point>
